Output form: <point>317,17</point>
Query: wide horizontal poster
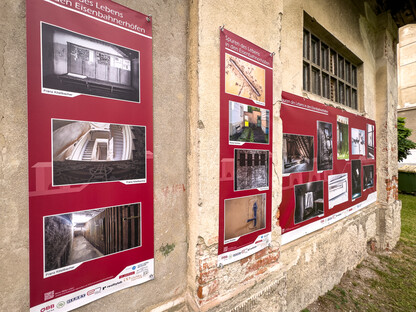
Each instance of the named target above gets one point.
<point>245,148</point>
<point>90,151</point>
<point>329,165</point>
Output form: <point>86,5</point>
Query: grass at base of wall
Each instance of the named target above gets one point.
<point>382,282</point>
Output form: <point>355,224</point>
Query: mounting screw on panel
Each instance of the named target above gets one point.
<point>222,27</point>
<point>148,18</point>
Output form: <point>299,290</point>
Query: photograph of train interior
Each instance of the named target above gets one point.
<point>88,152</point>
<point>76,63</point>
<point>85,235</point>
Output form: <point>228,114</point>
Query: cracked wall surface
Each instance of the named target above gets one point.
<point>186,65</point>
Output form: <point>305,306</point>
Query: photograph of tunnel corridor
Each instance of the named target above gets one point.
<point>298,153</point>
<point>89,152</point>
<point>343,148</point>
<point>81,64</point>
<point>324,133</point>
<point>309,201</point>
<point>85,235</point>
<point>355,179</point>
<point>251,169</point>
<point>368,177</point>
<point>248,123</point>
<point>357,142</point>
<point>244,215</point>
<point>370,141</point>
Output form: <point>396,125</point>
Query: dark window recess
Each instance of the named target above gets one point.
<point>315,50</point>
<point>306,77</point>
<point>242,160</point>
<point>328,73</point>
<point>263,159</point>
<point>306,44</point>
<point>249,160</point>
<point>256,159</point>
<point>316,81</point>
<point>341,94</point>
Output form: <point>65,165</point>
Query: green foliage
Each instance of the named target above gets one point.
<point>403,143</point>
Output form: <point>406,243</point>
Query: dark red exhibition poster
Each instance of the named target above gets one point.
<point>329,165</point>
<point>90,151</point>
<point>246,104</point>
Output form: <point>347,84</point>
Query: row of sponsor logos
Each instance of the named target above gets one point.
<point>138,271</point>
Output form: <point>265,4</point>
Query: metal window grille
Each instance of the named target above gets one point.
<point>328,73</point>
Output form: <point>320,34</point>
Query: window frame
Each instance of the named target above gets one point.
<point>335,69</point>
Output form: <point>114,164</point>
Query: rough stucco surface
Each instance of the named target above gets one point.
<point>169,89</point>
<point>186,157</point>
<point>14,233</point>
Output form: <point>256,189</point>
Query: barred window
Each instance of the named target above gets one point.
<point>329,68</point>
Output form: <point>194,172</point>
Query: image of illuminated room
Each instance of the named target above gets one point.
<point>80,64</point>
<point>244,215</point>
<point>85,235</point>
<point>357,141</point>
<point>355,179</point>
<point>309,198</point>
<point>370,141</point>
<point>324,132</point>
<point>248,123</point>
<point>337,189</point>
<point>297,153</point>
<point>251,169</point>
<point>89,152</point>
<point>368,177</point>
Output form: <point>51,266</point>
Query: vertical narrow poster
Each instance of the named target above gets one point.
<point>328,165</point>
<point>245,148</point>
<point>90,151</point>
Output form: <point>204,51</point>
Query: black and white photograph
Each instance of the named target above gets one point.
<point>91,152</point>
<point>368,176</point>
<point>337,189</point>
<point>81,236</point>
<point>355,179</point>
<point>370,141</point>
<point>251,169</point>
<point>298,153</point>
<point>309,201</point>
<point>357,141</point>
<point>324,133</point>
<point>343,141</point>
<point>248,124</point>
<point>79,64</point>
<point>244,215</point>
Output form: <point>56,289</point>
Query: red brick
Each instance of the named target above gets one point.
<point>199,293</point>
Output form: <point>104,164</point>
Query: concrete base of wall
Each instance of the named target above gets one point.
<point>313,265</point>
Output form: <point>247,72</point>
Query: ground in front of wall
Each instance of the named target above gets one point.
<point>382,282</point>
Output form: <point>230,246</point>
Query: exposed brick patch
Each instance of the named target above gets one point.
<point>211,280</point>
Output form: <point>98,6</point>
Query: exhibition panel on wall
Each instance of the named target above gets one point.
<point>245,148</point>
<point>90,124</point>
<point>329,165</point>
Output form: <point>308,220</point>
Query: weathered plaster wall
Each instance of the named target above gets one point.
<point>260,23</point>
<point>410,114</point>
<point>407,65</point>
<point>169,89</point>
